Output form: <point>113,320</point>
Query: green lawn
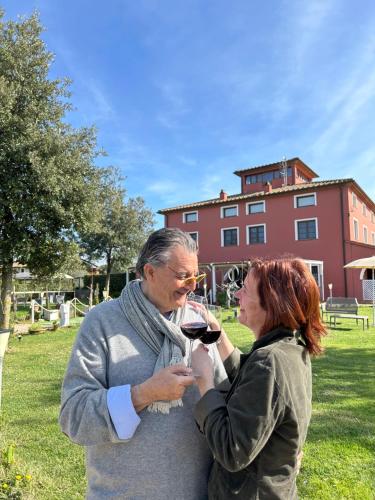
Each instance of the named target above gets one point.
<point>339,460</point>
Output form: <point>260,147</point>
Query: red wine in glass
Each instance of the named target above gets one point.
<point>194,330</point>
<point>210,336</point>
<point>194,320</point>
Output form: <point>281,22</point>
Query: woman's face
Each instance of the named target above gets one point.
<point>251,314</point>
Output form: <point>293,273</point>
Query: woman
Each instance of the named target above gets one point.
<point>256,431</point>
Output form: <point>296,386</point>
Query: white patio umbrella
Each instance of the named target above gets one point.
<point>366,263</point>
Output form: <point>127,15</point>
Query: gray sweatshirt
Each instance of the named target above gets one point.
<point>167,457</point>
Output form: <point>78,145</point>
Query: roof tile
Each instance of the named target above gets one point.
<point>258,194</point>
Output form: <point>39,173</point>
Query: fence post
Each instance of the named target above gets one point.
<point>4,336</point>
<point>65,314</point>
<point>32,310</point>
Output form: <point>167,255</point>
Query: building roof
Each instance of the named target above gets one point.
<point>271,166</point>
<point>262,194</point>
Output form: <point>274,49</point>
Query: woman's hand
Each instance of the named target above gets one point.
<point>212,321</point>
<point>203,368</point>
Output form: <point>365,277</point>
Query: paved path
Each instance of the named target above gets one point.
<point>20,328</point>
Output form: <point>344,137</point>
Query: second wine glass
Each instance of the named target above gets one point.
<point>214,320</point>
<point>194,320</point>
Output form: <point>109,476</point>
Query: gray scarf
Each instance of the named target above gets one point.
<point>148,321</point>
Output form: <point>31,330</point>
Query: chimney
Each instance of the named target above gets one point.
<point>268,187</point>
<point>223,195</point>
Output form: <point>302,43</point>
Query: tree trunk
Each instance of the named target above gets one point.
<point>108,275</point>
<point>6,293</point>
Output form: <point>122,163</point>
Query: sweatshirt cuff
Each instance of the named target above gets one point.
<point>123,415</point>
<point>232,363</point>
<point>212,400</point>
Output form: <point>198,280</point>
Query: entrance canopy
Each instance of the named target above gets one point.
<point>366,263</point>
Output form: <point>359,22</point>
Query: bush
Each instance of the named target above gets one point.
<point>221,299</point>
<point>35,328</point>
<point>116,283</point>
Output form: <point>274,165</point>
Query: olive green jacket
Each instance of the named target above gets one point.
<point>257,429</point>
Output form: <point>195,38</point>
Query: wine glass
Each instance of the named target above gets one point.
<point>194,320</point>
<point>214,321</point>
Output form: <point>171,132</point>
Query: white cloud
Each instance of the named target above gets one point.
<point>347,120</point>
<point>174,106</point>
<point>163,187</point>
<point>190,162</point>
<point>101,105</point>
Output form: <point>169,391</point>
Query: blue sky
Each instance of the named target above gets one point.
<point>184,93</point>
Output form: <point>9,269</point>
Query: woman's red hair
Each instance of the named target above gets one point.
<point>290,296</point>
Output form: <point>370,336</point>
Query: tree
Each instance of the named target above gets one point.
<point>47,172</point>
<point>123,226</point>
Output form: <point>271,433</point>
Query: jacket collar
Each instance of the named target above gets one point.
<point>271,337</point>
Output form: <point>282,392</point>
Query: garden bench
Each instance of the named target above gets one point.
<point>343,307</point>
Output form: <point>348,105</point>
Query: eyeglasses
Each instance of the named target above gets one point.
<point>189,279</point>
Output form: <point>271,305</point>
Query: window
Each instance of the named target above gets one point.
<point>354,200</point>
<point>190,216</point>
<point>373,238</point>
<point>266,176</point>
<point>356,229</point>
<point>306,229</point>
<point>256,234</point>
<point>372,217</point>
<point>365,234</point>
<point>304,200</point>
<point>229,237</point>
<point>364,209</point>
<point>194,236</point>
<point>302,177</point>
<point>229,211</point>
<point>256,207</point>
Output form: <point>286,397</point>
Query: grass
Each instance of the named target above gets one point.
<point>339,459</point>
<point>339,454</point>
<point>32,377</point>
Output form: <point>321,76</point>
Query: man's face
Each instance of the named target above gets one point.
<point>164,285</point>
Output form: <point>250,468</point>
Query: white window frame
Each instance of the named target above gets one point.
<point>197,233</point>
<point>187,213</point>
<point>222,209</point>
<point>364,209</point>
<point>354,199</point>
<point>365,232</point>
<point>248,237</point>
<point>222,236</point>
<point>354,230</point>
<point>296,196</point>
<point>305,220</point>
<point>255,203</point>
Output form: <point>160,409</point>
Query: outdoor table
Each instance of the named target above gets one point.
<point>348,316</point>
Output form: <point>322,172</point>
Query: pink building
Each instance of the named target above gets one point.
<point>282,210</point>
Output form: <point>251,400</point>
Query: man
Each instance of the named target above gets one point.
<point>128,395</point>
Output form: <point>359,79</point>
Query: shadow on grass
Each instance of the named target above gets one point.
<point>344,374</point>
<point>338,328</point>
<point>48,394</point>
<point>35,422</point>
<point>344,393</point>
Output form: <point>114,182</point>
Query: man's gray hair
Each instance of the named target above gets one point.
<point>157,249</point>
